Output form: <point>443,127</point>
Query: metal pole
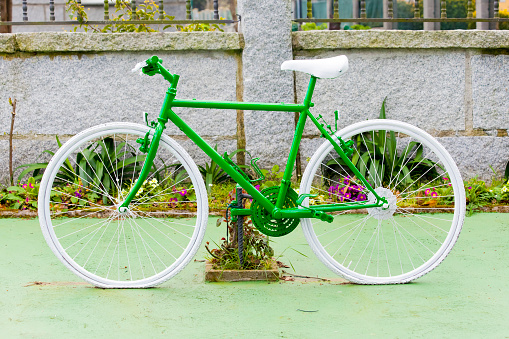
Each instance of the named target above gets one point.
<point>240,227</point>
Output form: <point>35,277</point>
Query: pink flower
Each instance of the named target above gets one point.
<point>257,187</point>
<point>427,192</point>
<point>434,194</point>
<point>30,185</point>
<point>25,186</point>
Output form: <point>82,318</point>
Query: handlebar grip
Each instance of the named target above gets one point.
<point>152,66</point>
<point>139,66</point>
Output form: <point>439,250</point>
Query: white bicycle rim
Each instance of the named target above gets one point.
<point>163,246</point>
<point>414,234</point>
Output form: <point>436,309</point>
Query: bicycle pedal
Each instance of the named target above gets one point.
<point>324,216</point>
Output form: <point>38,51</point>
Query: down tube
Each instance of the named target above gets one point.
<point>202,144</point>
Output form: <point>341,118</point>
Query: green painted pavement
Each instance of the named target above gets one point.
<point>466,296</point>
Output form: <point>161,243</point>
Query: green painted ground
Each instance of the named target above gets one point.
<point>465,297</point>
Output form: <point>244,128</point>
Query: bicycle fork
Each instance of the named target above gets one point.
<point>151,146</point>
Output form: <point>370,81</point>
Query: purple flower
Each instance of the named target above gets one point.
<point>468,188</point>
<point>361,197</point>
<point>183,193</point>
<point>257,187</point>
<point>348,195</point>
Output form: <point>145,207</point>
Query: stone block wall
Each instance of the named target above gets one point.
<point>453,84</point>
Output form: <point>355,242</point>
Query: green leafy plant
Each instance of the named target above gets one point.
<point>22,196</point>
<point>123,14</point>
<point>506,172</point>
<point>37,168</point>
<point>257,253</point>
<point>95,166</point>
<point>272,177</point>
<point>212,174</point>
<point>199,27</point>
<point>357,27</point>
<point>312,26</point>
<point>387,163</point>
<point>477,194</point>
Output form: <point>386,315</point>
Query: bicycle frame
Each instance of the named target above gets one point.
<point>276,210</point>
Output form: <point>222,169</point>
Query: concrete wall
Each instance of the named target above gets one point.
<point>453,84</point>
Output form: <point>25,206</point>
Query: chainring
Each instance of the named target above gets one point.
<point>263,220</point>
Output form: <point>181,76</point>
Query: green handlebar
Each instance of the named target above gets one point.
<point>154,66</point>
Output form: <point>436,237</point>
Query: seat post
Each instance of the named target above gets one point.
<point>309,94</point>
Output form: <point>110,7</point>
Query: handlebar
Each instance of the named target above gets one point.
<point>152,66</point>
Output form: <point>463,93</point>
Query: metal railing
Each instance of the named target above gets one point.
<point>359,14</point>
<point>107,18</point>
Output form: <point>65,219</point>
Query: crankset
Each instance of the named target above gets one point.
<point>263,220</point>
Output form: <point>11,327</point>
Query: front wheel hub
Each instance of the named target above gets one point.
<point>122,210</point>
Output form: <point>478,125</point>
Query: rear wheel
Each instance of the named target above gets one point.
<point>81,190</point>
<point>426,199</point>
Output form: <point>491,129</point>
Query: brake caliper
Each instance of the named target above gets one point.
<point>145,142</point>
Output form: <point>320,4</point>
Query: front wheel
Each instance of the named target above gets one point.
<point>82,188</point>
<point>426,208</point>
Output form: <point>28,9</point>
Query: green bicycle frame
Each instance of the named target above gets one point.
<point>276,210</point>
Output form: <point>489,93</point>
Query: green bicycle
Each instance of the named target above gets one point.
<point>110,197</point>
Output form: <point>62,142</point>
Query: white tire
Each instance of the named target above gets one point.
<point>79,217</point>
<point>400,243</point>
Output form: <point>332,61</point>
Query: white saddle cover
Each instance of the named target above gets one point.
<point>328,68</point>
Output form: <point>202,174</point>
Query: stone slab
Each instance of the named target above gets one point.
<point>423,88</point>
<point>107,42</point>
<point>7,43</point>
<point>25,151</point>
<point>490,91</point>
<point>475,155</point>
<point>396,39</point>
<point>68,93</point>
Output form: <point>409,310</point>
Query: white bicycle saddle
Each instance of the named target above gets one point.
<point>328,68</point>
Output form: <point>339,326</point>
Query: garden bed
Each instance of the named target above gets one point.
<point>14,213</point>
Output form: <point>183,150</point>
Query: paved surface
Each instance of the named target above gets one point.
<point>465,297</point>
